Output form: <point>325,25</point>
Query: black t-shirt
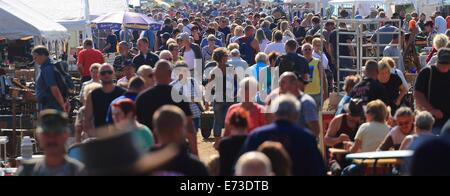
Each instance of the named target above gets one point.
<point>229,151</point>
<point>150,59</point>
<point>152,99</point>
<point>440,90</point>
<point>292,62</point>
<point>184,163</point>
<point>343,38</point>
<point>225,31</point>
<point>392,88</point>
<point>111,39</point>
<point>101,102</point>
<point>369,90</point>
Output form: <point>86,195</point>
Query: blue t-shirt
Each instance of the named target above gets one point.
<point>127,95</point>
<point>301,146</point>
<point>308,111</point>
<point>340,108</point>
<point>45,80</point>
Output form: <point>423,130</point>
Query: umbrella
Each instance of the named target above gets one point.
<point>131,20</point>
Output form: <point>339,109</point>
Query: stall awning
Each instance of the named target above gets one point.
<point>20,20</point>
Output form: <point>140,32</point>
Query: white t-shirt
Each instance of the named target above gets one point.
<point>371,135</point>
<point>324,59</point>
<point>275,47</point>
<point>189,58</point>
<point>263,45</point>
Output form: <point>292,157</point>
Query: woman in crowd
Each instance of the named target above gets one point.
<point>124,116</point>
<point>423,123</point>
<point>439,41</point>
<point>79,121</point>
<point>261,38</point>
<point>238,32</point>
<point>393,86</point>
<point>208,50</point>
<point>404,118</point>
<point>230,146</point>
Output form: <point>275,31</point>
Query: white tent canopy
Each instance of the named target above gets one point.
<point>72,13</point>
<point>20,20</point>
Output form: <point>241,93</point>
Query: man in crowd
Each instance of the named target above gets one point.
<point>431,89</point>
<point>125,57</point>
<point>152,99</point>
<point>48,93</point>
<point>145,56</point>
<point>53,131</point>
<point>301,145</point>
<point>86,58</point>
<point>369,89</point>
<point>170,127</point>
<point>98,101</point>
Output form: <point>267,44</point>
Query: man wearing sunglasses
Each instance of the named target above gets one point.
<point>98,101</point>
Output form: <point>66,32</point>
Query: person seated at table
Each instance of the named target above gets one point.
<point>404,118</point>
<point>424,122</point>
<point>371,134</point>
<point>344,126</point>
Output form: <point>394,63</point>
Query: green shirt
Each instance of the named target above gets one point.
<point>144,137</point>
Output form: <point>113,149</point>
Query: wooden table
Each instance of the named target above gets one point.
<point>380,157</point>
<point>337,151</point>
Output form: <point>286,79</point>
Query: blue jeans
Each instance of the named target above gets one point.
<point>196,124</point>
<point>220,112</point>
<point>49,105</point>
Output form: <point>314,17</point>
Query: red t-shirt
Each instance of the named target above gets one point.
<point>87,57</point>
<point>256,119</point>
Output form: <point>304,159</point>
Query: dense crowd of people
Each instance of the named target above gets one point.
<point>265,77</point>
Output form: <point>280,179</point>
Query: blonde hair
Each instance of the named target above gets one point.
<point>239,30</point>
<point>233,46</point>
<point>95,66</point>
<point>284,26</point>
<point>440,41</point>
<point>316,41</point>
<point>89,88</point>
<point>390,61</point>
<point>171,41</point>
<point>261,57</point>
<point>383,65</point>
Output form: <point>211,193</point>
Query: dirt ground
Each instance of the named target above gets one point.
<point>205,148</point>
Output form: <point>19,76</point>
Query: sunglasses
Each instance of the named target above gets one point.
<point>307,49</point>
<point>108,72</point>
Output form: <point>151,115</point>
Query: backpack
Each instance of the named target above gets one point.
<point>286,65</point>
<point>63,80</point>
<point>246,50</point>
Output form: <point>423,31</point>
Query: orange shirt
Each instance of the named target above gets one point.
<point>87,57</point>
<point>256,119</point>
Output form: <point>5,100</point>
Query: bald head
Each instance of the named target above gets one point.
<point>288,83</point>
<point>169,123</point>
<point>163,71</point>
<point>166,55</point>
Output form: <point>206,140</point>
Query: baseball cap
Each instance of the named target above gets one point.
<point>183,36</point>
<point>444,56</point>
<point>52,121</point>
<point>355,108</point>
<point>166,35</point>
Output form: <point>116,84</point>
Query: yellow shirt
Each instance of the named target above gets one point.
<point>313,88</point>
